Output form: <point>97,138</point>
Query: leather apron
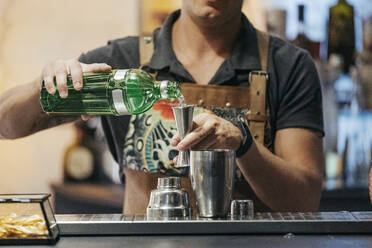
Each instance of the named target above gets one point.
<point>138,184</point>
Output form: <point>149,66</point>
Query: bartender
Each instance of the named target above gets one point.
<point>207,42</point>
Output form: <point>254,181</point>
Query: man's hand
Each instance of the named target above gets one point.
<point>20,110</point>
<point>210,132</point>
<point>60,69</point>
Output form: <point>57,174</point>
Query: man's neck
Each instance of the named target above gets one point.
<point>200,41</point>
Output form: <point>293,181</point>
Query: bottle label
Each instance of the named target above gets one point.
<point>117,98</point>
<point>120,74</point>
<point>163,89</point>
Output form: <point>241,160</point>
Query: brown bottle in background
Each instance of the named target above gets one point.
<point>341,32</point>
<point>302,40</point>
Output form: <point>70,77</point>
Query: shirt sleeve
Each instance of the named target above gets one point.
<point>300,96</point>
<point>119,54</point>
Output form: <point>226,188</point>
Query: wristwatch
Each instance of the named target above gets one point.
<point>247,139</point>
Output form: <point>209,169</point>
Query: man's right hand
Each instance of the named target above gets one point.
<point>61,68</point>
<point>20,110</point>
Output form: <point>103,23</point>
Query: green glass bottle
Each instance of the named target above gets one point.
<point>119,92</point>
<point>341,32</point>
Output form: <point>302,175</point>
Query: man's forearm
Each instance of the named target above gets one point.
<point>21,113</point>
<point>281,185</point>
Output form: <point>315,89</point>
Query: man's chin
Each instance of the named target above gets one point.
<point>209,13</point>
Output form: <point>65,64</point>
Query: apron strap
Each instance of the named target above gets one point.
<point>263,40</point>
<point>259,114</point>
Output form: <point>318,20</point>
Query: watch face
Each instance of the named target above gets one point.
<point>79,163</point>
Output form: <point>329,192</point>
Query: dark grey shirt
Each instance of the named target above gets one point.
<point>294,93</point>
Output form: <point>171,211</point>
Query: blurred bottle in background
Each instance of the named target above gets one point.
<point>302,40</point>
<point>362,74</point>
<point>367,35</point>
<point>341,33</point>
<point>364,65</point>
<point>329,74</point>
<point>347,141</point>
<point>354,134</point>
<point>355,139</point>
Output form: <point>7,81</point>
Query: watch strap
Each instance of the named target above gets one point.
<point>247,139</point>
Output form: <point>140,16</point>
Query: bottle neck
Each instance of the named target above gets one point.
<point>169,89</point>
<point>301,19</point>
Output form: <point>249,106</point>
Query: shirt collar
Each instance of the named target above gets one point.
<point>244,55</point>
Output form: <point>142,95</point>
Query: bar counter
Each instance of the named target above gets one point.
<point>214,241</point>
<point>296,229</point>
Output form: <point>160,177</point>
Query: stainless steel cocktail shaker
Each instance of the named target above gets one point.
<point>169,201</point>
<point>212,174</point>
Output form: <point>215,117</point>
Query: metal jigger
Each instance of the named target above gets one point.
<point>183,116</point>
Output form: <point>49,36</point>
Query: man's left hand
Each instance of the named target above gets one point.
<point>210,132</point>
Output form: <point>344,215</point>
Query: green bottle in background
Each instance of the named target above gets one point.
<point>341,33</point>
<point>119,92</point>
